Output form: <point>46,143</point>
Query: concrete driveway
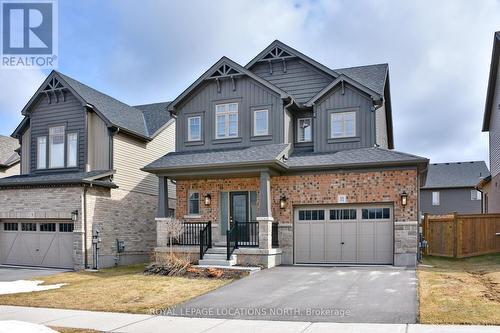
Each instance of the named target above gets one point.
<point>11,273</point>
<point>317,294</point>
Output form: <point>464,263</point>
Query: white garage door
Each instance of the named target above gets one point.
<point>40,243</point>
<point>352,234</point>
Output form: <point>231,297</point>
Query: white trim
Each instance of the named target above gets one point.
<point>255,122</point>
<point>343,121</point>
<point>38,155</point>
<point>435,200</point>
<point>226,114</point>
<point>190,137</point>
<point>299,129</point>
<point>68,158</point>
<point>63,149</point>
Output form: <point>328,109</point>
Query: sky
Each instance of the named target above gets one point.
<point>149,51</point>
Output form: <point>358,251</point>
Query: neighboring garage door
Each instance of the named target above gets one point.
<point>37,243</point>
<point>344,234</point>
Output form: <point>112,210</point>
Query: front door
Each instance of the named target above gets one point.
<point>238,212</point>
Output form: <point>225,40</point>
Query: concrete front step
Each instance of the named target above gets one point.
<point>217,256</point>
<point>217,262</point>
<point>217,250</point>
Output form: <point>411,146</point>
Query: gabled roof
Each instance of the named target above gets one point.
<point>371,76</point>
<point>454,175</point>
<point>293,52</point>
<point>8,154</point>
<point>492,82</point>
<point>236,70</point>
<point>95,178</point>
<point>155,116</point>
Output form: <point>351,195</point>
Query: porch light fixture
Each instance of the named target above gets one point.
<point>208,199</point>
<point>74,215</point>
<point>404,199</point>
<point>282,202</point>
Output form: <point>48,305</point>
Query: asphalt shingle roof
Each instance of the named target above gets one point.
<point>458,174</point>
<point>8,156</point>
<point>59,178</point>
<point>371,76</point>
<point>155,115</point>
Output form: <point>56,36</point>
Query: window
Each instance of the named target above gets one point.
<point>260,122</point>
<point>342,214</point>
<point>66,227</point>
<point>41,155</point>
<point>435,198</point>
<point>226,120</point>
<point>194,203</point>
<point>304,130</point>
<point>28,226</point>
<point>375,213</point>
<point>475,195</point>
<point>314,215</point>
<point>194,128</point>
<point>342,124</point>
<point>72,149</point>
<point>56,147</point>
<point>10,226</point>
<point>48,227</point>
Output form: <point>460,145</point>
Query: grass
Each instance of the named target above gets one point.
<point>72,330</point>
<point>120,289</point>
<point>460,291</point>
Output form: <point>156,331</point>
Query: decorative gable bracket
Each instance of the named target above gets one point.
<point>276,53</point>
<point>54,90</point>
<point>225,71</point>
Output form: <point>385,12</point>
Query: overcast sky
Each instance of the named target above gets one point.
<point>149,51</point>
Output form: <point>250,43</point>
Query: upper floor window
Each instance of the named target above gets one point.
<point>475,195</point>
<point>342,124</point>
<point>72,149</point>
<point>226,120</point>
<point>304,130</point>
<point>41,154</point>
<point>261,122</point>
<point>56,147</point>
<point>435,198</point>
<point>194,128</point>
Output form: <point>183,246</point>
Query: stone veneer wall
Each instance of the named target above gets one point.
<point>383,186</point>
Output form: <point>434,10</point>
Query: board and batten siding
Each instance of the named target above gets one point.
<point>98,143</point>
<point>300,79</point>
<point>250,96</point>
<point>25,152</point>
<point>69,113</point>
<point>494,132</point>
<point>130,155</point>
<point>336,101</point>
<point>381,127</point>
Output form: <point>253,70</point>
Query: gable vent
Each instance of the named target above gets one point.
<point>276,53</point>
<point>54,91</point>
<point>224,71</point>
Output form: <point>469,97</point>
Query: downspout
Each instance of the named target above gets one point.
<point>85,227</point>
<point>285,108</point>
<point>482,198</point>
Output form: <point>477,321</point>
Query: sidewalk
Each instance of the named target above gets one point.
<point>124,323</point>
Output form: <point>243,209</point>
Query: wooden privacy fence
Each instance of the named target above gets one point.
<point>461,235</point>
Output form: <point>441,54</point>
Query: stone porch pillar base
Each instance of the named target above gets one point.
<point>265,232</point>
<point>405,243</point>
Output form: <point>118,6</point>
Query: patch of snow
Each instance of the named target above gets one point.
<point>25,286</point>
<point>9,326</point>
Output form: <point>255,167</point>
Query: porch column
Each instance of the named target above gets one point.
<point>163,209</point>
<point>265,218</point>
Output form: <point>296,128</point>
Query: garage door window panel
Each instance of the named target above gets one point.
<point>376,213</point>
<point>342,214</point>
<point>66,227</point>
<point>28,226</point>
<point>311,215</point>
<point>48,227</point>
<point>10,226</point>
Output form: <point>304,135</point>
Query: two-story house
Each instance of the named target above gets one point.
<point>490,186</point>
<point>9,158</point>
<point>294,162</point>
<point>81,153</point>
<point>451,188</point>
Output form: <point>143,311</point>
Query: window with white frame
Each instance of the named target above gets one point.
<point>72,149</point>
<point>194,203</point>
<point>194,128</point>
<point>342,124</point>
<point>226,120</point>
<point>304,130</point>
<point>475,195</point>
<point>56,147</point>
<point>435,198</point>
<point>41,154</point>
<point>260,122</point>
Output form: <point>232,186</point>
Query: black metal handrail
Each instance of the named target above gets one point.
<point>248,234</point>
<point>191,233</point>
<point>275,236</point>
<point>205,239</point>
<point>231,240</point>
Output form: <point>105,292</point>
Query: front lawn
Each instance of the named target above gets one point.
<point>460,291</point>
<point>120,289</point>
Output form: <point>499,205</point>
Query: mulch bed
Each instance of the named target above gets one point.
<point>194,272</point>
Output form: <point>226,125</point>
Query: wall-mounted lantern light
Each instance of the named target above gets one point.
<point>74,215</point>
<point>404,199</point>
<point>282,201</point>
<point>208,199</point>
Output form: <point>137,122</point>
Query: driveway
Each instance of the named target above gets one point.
<point>9,273</point>
<point>318,294</point>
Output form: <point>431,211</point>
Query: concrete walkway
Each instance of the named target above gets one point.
<point>125,323</point>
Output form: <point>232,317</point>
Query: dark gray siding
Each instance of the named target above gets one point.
<point>451,200</point>
<point>336,101</point>
<point>69,113</point>
<point>301,80</point>
<point>249,94</point>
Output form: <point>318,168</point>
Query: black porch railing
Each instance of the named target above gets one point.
<point>205,239</point>
<point>191,234</point>
<point>247,233</point>
<point>275,236</point>
<point>231,240</point>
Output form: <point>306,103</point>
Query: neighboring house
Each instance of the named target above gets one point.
<point>81,154</point>
<point>288,147</point>
<point>490,186</point>
<point>9,158</point>
<point>451,187</point>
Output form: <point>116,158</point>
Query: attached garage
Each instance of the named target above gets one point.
<point>37,243</point>
<point>344,234</point>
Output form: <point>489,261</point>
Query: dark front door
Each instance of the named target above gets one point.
<point>238,211</point>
